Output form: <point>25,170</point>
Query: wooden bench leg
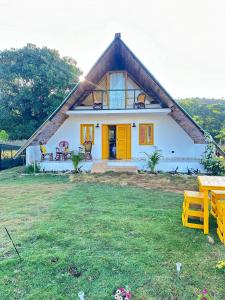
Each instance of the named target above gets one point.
<point>206,213</point>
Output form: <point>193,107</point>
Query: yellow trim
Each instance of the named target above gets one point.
<point>152,134</point>
<point>105,140</point>
<point>82,126</point>
<point>123,147</point>
<point>128,141</point>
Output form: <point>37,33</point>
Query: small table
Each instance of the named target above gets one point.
<point>206,184</point>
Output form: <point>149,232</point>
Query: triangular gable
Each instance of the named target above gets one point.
<point>117,57</point>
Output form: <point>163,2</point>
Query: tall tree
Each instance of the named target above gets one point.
<point>33,82</point>
<point>208,113</point>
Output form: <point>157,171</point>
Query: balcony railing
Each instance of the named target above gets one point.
<point>115,99</point>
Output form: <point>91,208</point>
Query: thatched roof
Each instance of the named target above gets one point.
<point>117,57</point>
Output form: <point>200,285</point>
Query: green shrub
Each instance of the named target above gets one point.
<point>33,168</point>
<point>4,135</point>
<point>76,159</point>
<point>213,164</point>
<point>153,159</point>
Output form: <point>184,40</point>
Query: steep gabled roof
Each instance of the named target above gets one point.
<point>117,57</point>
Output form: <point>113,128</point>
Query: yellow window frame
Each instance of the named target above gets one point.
<point>151,142</point>
<point>87,126</point>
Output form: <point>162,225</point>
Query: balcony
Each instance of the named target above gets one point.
<point>116,99</point>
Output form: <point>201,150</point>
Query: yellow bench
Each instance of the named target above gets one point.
<point>193,208</point>
<point>215,196</point>
<point>221,220</point>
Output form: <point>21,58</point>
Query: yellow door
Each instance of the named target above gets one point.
<point>105,141</point>
<point>123,141</point>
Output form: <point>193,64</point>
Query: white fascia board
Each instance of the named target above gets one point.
<point>119,111</point>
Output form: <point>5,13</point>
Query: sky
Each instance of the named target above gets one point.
<point>181,42</point>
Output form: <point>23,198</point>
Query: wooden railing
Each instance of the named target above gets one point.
<point>112,99</point>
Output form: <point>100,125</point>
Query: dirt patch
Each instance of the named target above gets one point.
<point>73,271</point>
<point>166,182</point>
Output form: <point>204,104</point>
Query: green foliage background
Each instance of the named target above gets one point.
<point>33,82</point>
<point>209,114</point>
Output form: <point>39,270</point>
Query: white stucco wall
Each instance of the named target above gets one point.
<point>169,137</point>
<point>32,153</point>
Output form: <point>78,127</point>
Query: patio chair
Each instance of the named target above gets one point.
<point>97,104</point>
<point>44,152</point>
<point>193,210</point>
<point>62,152</point>
<point>140,101</point>
<point>221,220</point>
<point>87,150</point>
<point>216,195</point>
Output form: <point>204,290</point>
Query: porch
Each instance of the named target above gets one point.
<point>132,165</point>
<point>94,166</point>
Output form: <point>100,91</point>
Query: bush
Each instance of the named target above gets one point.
<point>34,168</point>
<point>153,159</point>
<point>76,159</point>
<point>4,135</point>
<point>214,165</point>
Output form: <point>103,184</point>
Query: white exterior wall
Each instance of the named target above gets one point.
<point>168,137</point>
<point>32,154</point>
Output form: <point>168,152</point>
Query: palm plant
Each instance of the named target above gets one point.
<point>76,159</point>
<point>153,159</point>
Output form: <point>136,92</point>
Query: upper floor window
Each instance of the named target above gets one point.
<point>117,87</point>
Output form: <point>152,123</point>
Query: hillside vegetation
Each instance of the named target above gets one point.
<point>209,114</point>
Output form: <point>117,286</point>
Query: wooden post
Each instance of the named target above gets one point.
<point>223,220</point>
<point>206,212</point>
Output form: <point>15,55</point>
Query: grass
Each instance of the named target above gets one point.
<point>95,236</point>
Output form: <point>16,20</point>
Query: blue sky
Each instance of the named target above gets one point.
<point>180,41</point>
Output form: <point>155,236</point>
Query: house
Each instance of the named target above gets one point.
<point>125,112</point>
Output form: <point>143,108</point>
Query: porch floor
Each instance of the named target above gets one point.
<point>132,165</point>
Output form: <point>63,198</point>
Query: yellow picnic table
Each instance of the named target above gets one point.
<point>206,184</point>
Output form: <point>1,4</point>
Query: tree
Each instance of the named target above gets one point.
<point>208,113</point>
<point>213,164</point>
<point>221,136</point>
<point>4,135</point>
<point>33,82</point>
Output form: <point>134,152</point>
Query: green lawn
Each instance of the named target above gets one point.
<point>112,235</point>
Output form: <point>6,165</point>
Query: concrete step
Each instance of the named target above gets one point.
<point>120,166</point>
<point>125,169</point>
<point>99,167</point>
